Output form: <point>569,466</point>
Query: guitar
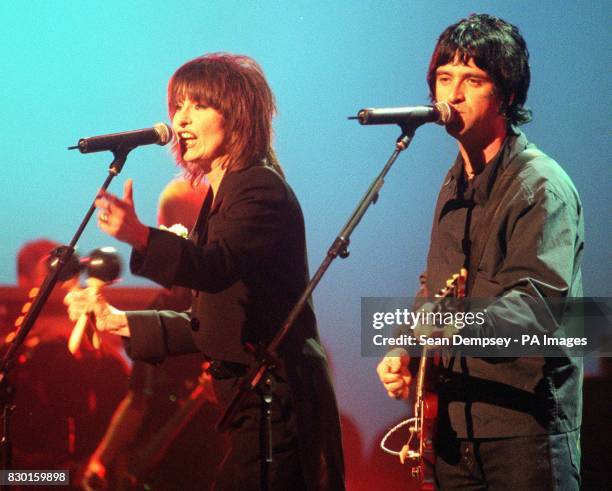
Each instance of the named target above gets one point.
<point>133,465</point>
<point>419,452</point>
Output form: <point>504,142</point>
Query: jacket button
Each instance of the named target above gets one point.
<point>195,324</point>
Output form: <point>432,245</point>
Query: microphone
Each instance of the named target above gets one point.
<point>441,113</point>
<point>161,134</point>
<point>103,263</point>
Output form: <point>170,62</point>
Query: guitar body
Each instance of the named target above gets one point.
<point>428,455</point>
<point>420,447</point>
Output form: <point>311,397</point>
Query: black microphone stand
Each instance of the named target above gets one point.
<point>267,359</point>
<point>7,391</point>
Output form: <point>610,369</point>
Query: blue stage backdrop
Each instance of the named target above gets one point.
<point>76,69</point>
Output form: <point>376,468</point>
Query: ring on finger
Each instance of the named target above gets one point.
<point>104,217</point>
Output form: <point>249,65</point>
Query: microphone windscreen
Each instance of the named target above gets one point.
<point>165,133</point>
<point>445,111</point>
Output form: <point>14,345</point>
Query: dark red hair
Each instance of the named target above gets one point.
<point>235,86</point>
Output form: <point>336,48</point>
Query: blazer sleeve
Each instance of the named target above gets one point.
<point>156,334</point>
<point>248,232</point>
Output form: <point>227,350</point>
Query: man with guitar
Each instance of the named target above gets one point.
<point>511,216</point>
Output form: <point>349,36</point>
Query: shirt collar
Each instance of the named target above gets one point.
<point>482,184</point>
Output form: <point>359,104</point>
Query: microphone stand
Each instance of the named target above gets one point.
<point>267,358</point>
<point>7,391</point>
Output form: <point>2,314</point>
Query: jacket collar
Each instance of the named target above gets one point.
<point>515,143</point>
<point>226,185</point>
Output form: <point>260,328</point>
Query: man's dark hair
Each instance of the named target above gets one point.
<point>499,49</point>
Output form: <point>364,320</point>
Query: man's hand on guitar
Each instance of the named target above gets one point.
<point>394,374</point>
<point>94,478</point>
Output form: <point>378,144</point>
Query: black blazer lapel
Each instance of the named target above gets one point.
<point>198,232</point>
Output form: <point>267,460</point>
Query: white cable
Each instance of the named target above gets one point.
<point>411,453</point>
